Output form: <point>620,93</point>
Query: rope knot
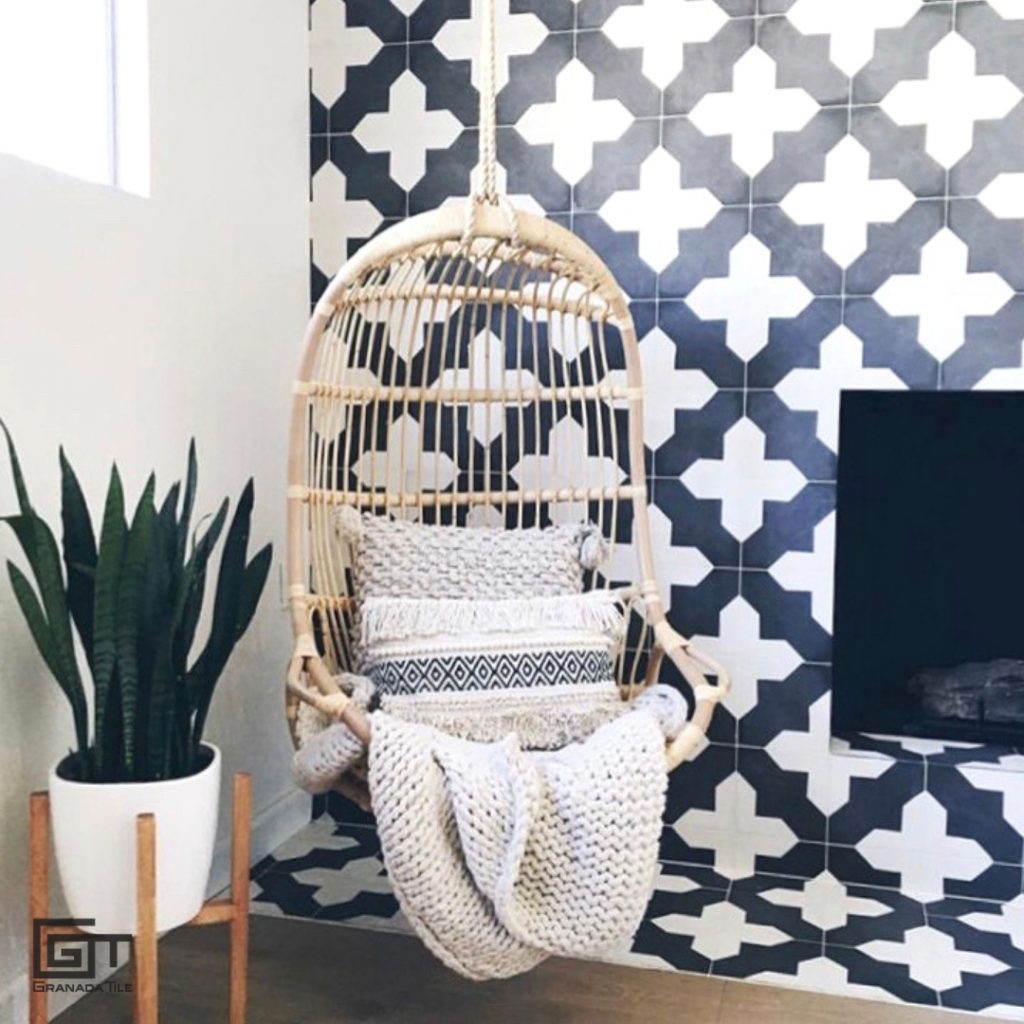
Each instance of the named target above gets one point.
<point>484,189</point>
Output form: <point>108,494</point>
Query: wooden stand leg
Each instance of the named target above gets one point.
<point>240,847</point>
<point>38,895</point>
<point>146,994</point>
<point>234,911</point>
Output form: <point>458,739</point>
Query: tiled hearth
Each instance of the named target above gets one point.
<point>819,934</point>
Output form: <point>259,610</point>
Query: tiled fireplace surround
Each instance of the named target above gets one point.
<point>798,197</point>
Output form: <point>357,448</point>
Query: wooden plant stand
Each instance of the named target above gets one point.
<point>234,911</point>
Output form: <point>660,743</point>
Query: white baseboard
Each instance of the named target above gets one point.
<point>270,827</point>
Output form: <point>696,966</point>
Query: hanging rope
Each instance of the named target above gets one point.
<point>485,189</point>
<point>487,182</point>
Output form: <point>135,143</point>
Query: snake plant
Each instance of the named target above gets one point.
<point>134,597</point>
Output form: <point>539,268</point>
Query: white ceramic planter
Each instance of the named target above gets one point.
<point>94,840</point>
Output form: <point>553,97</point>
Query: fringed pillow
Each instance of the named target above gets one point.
<point>541,667</point>
<point>397,558</point>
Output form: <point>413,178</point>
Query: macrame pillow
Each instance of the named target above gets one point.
<point>540,667</point>
<point>397,558</point>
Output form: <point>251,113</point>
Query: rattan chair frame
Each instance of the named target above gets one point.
<point>430,281</point>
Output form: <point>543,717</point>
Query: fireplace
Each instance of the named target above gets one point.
<point>929,575</point>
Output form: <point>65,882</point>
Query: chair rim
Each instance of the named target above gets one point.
<point>448,224</point>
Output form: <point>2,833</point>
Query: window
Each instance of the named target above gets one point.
<point>74,88</point>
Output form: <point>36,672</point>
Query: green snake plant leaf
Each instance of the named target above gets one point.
<point>40,630</point>
<point>196,570</point>
<point>226,611</point>
<point>253,581</point>
<point>242,596</point>
<point>208,540</point>
<point>156,634</point>
<point>40,547</point>
<point>180,747</point>
<point>189,500</point>
<point>34,617</point>
<point>111,756</point>
<point>168,514</point>
<point>113,534</point>
<point>192,594</point>
<point>129,604</point>
<point>79,555</point>
<point>19,480</point>
<point>160,720</point>
<point>185,616</point>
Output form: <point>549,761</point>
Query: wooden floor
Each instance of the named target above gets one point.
<point>309,973</point>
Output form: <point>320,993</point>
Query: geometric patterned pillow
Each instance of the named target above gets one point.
<point>541,667</point>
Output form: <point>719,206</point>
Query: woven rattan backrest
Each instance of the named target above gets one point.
<point>493,384</point>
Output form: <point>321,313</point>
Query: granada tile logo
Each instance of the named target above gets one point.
<point>64,960</point>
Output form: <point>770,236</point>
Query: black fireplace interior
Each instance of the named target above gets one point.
<point>929,578</point>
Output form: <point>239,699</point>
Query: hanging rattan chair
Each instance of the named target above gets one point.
<point>474,366</point>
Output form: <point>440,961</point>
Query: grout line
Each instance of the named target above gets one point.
<point>888,889</point>
<point>576,28</point>
<point>727,890</point>
<point>946,196</point>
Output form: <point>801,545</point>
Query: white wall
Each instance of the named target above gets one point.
<point>128,325</point>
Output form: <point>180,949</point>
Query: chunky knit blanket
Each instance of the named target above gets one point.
<point>501,857</point>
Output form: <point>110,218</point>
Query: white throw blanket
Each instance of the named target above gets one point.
<point>501,857</point>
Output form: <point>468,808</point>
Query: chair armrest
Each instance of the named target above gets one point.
<point>695,667</point>
<point>327,697</point>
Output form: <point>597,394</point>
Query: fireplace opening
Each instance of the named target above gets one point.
<point>929,575</point>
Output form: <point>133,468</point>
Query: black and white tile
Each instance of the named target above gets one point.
<point>799,197</point>
<point>329,871</point>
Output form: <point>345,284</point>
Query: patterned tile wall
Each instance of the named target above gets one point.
<point>798,196</point>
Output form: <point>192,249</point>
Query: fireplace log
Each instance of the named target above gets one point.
<point>989,691</point>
